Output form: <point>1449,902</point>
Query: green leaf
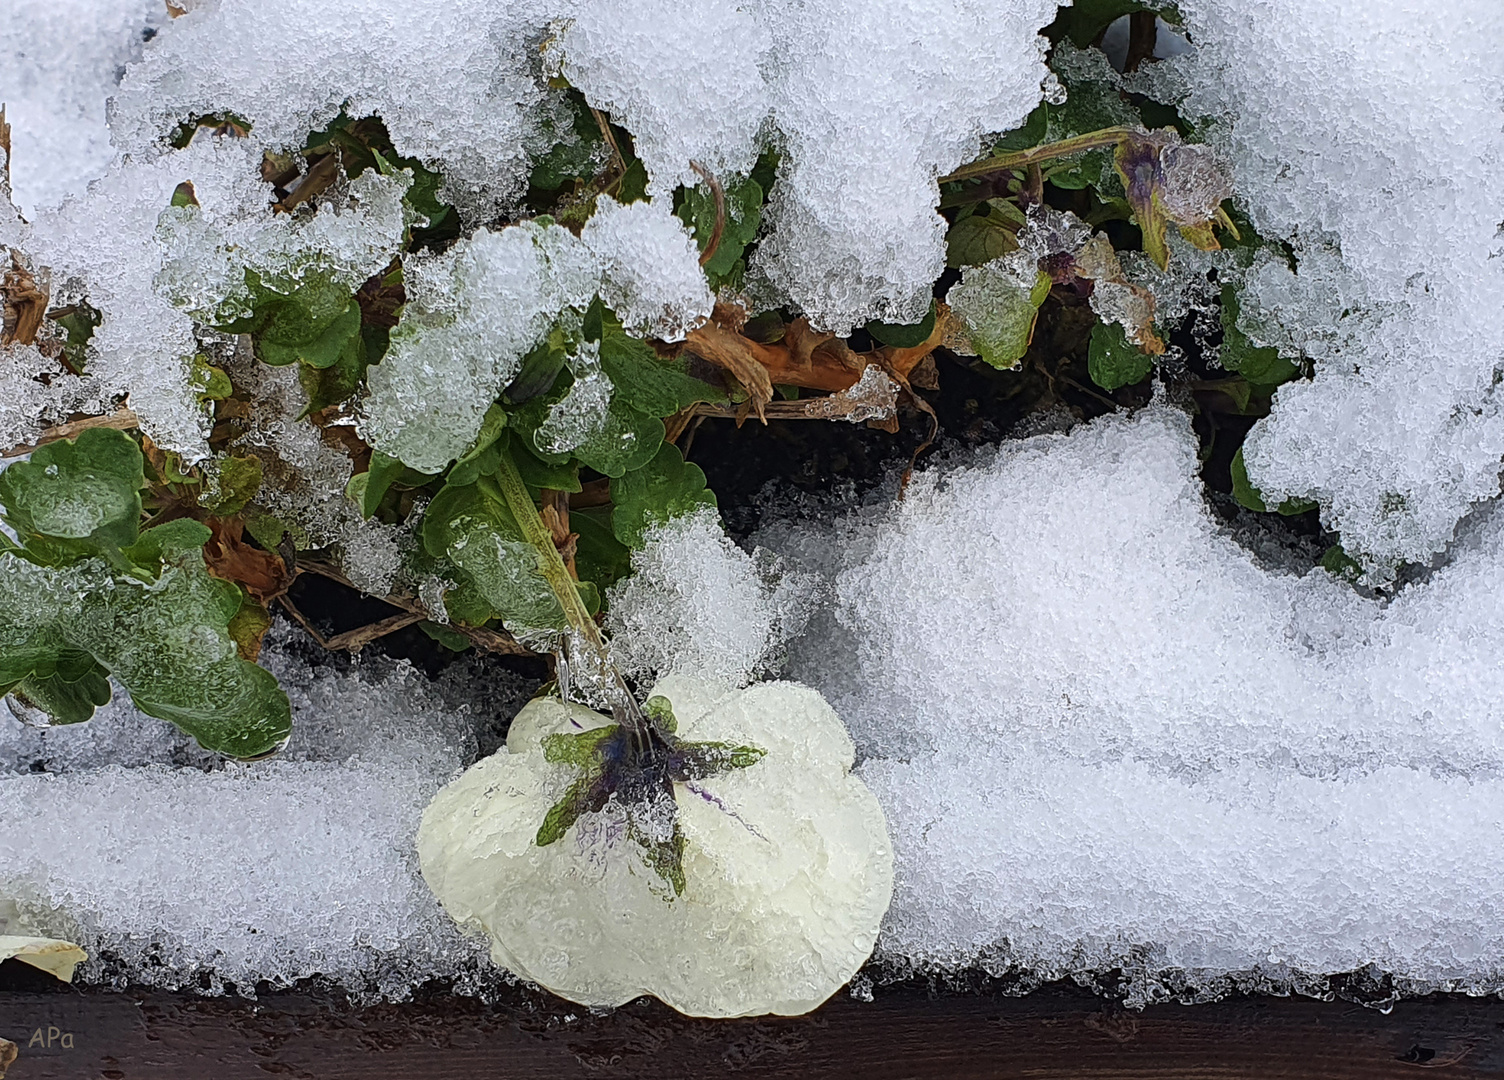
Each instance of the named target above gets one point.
<point>1113,360</point>
<point>230,484</point>
<point>79,321</point>
<point>743,201</point>
<point>452,640</point>
<point>646,381</point>
<point>76,497</point>
<point>1031,134</point>
<point>384,469</point>
<point>341,334</point>
<point>296,313</point>
<point>335,383</point>
<point>209,382</point>
<point>628,440</point>
<point>904,336</point>
<point>665,488</point>
<point>598,556</point>
<point>166,642</point>
<point>978,239</point>
<point>480,459</point>
<point>634,183</point>
<point>1338,563</point>
<point>999,312</point>
<point>540,369</point>
<point>67,697</point>
<point>537,473</point>
<point>167,543</point>
<point>471,526</point>
<point>1249,496</point>
<point>1260,365</point>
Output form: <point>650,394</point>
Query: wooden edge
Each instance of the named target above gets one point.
<point>904,1033</point>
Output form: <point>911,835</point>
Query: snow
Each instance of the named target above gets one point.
<point>650,268</point>
<point>1088,764</point>
<point>61,61</point>
<point>696,604</point>
<point>472,314</point>
<point>1369,136</point>
<point>873,101</point>
<point>165,864</point>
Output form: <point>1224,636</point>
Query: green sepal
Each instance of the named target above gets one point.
<point>563,814</point>
<point>582,748</point>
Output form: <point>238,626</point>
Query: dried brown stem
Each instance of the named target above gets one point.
<point>489,640</point>
<point>315,183</point>
<point>1143,35</point>
<point>360,637</point>
<point>124,420</point>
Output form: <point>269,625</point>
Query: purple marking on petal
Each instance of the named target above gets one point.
<point>708,797</point>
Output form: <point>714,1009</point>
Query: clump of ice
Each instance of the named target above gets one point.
<point>303,477</point>
<point>581,413</point>
<point>650,268</point>
<point>472,313</point>
<point>696,604</point>
<point>59,62</point>
<point>208,248</point>
<point>1369,137</point>
<point>873,101</point>
<point>684,78</point>
<point>1107,737</point>
<point>37,391</point>
<point>457,82</point>
<point>166,865</point>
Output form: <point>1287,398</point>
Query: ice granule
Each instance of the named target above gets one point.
<point>650,267</point>
<point>698,604</point>
<point>472,313</point>
<point>873,101</point>
<point>167,868</point>
<point>1107,737</point>
<point>1370,138</point>
<point>457,82</point>
<point>709,111</point>
<point>59,62</point>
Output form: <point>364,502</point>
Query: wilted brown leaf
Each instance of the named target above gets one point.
<point>262,574</point>
<point>22,305</point>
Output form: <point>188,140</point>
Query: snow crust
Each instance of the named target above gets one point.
<point>1107,737</point>
<point>165,864</point>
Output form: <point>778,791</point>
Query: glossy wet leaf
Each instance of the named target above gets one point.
<point>76,497</point>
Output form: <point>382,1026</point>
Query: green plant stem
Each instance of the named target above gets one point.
<point>1034,155</point>
<point>551,565</point>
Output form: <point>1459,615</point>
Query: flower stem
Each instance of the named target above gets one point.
<point>551,565</point>
<point>1022,159</point>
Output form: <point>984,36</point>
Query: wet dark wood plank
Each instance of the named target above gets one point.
<point>905,1033</point>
